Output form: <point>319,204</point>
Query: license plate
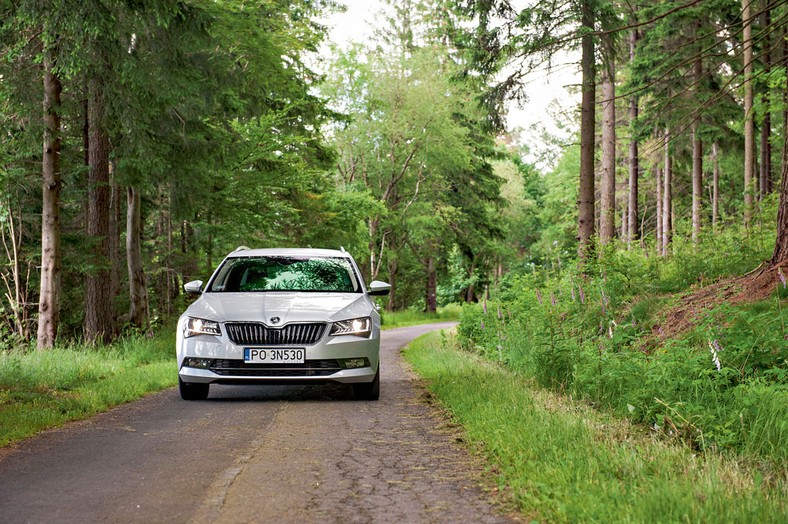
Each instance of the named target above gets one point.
<point>274,356</point>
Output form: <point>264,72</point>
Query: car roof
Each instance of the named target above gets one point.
<point>290,251</point>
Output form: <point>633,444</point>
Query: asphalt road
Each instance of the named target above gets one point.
<point>253,454</point>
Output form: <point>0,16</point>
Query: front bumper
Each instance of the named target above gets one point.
<point>344,376</point>
<point>345,359</point>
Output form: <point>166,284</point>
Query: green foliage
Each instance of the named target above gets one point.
<point>413,143</point>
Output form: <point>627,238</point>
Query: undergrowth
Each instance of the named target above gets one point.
<point>721,384</point>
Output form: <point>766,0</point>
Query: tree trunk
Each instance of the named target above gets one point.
<point>98,292</point>
<point>138,289</point>
<point>587,129</point>
<point>115,257</point>
<point>781,245</point>
<point>697,182</point>
<point>624,232</point>
<point>432,286</point>
<point>766,182</point>
<point>658,184</point>
<point>373,262</point>
<point>749,122</point>
<point>49,301</point>
<point>634,161</point>
<point>607,218</point>
<point>393,267</point>
<point>470,293</point>
<point>667,199</point>
<point>697,160</point>
<point>715,186</point>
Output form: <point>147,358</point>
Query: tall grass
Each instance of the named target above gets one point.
<point>44,389</point>
<point>561,461</point>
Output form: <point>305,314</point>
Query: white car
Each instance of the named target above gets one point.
<point>281,316</point>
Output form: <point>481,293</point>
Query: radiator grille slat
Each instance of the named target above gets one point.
<point>259,334</point>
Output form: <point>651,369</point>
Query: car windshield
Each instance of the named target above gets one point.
<point>286,273</point>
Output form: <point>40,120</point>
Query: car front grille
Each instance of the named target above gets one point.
<point>248,333</point>
<point>311,368</point>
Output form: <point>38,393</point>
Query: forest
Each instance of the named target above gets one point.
<point>143,140</point>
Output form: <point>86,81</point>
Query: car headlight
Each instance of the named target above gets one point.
<point>199,326</point>
<point>361,327</point>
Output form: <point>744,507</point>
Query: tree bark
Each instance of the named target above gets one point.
<point>98,291</point>
<point>393,267</point>
<point>607,218</point>
<point>765,175</point>
<point>138,288</point>
<point>697,161</point>
<point>634,161</point>
<point>114,236</point>
<point>587,129</point>
<point>658,184</point>
<point>749,122</point>
<point>432,286</point>
<point>697,182</point>
<point>49,301</point>
<point>781,244</point>
<point>715,186</point>
<point>667,196</point>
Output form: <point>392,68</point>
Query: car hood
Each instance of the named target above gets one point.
<point>288,306</point>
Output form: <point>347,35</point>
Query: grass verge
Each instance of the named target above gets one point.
<point>44,389</point>
<point>564,462</point>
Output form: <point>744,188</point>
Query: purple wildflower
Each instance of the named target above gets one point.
<point>582,295</point>
<point>500,314</point>
<point>552,299</point>
<point>484,306</point>
<point>573,294</point>
<point>782,277</point>
<point>482,325</point>
<point>539,297</point>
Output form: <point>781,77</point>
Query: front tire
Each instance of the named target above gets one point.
<point>368,391</point>
<point>193,390</point>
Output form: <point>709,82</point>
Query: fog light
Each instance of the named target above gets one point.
<point>199,363</point>
<point>355,363</point>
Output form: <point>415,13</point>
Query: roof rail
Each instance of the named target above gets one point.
<point>240,248</point>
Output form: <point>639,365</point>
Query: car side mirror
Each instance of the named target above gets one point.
<point>193,288</point>
<point>378,288</point>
